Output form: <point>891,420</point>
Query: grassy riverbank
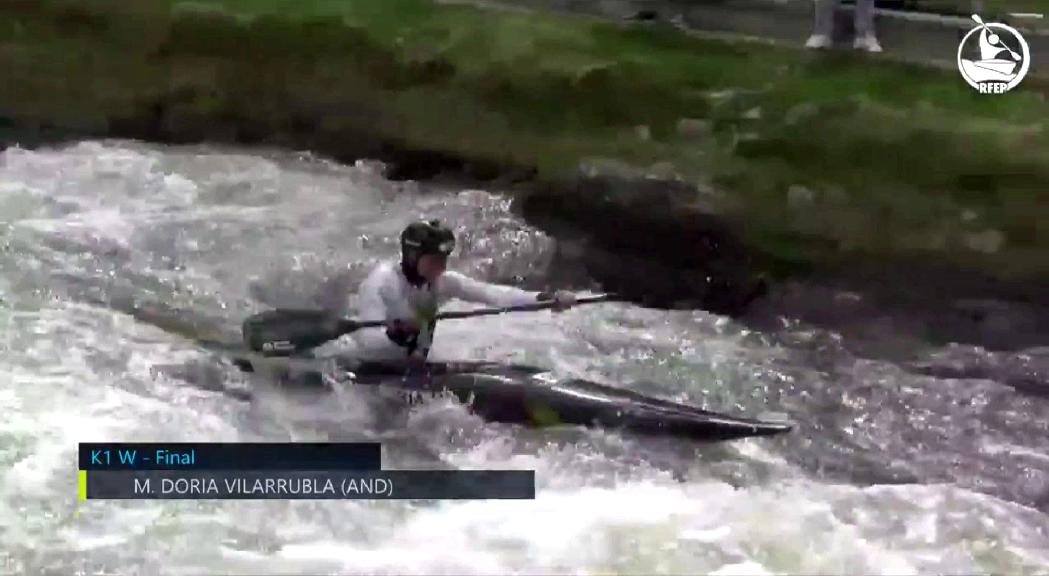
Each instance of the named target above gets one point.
<point>816,160</point>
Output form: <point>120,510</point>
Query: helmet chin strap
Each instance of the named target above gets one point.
<point>410,268</point>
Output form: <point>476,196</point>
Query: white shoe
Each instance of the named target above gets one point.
<point>868,43</point>
<point>818,41</point>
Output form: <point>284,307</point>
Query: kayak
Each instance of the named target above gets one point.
<point>524,395</point>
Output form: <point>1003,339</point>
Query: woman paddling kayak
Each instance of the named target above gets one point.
<point>407,295</point>
<point>397,315</point>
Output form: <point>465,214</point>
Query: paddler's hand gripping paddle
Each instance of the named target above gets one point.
<point>284,332</point>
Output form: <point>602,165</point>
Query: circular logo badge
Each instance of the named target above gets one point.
<point>993,57</point>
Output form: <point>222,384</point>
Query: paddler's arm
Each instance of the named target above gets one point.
<point>457,285</point>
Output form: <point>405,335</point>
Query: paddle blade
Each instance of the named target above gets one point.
<point>287,331</point>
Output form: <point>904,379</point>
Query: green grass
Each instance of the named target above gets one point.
<point>900,161</point>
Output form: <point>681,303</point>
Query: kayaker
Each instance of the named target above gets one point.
<point>407,295</point>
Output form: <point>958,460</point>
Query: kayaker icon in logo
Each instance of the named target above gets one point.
<point>993,58</point>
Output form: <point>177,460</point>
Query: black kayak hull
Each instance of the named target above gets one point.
<point>529,396</point>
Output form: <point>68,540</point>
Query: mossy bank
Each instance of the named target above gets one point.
<point>721,161</point>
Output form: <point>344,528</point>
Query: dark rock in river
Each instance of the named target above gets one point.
<point>645,240</point>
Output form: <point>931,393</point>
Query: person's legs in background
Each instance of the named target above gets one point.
<point>866,38</point>
<point>823,24</point>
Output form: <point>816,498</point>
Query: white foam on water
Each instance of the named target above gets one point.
<point>93,391</point>
<point>1014,450</point>
<point>660,527</point>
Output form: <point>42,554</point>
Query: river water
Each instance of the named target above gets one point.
<point>888,472</point>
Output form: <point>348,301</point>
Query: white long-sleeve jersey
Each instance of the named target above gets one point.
<point>387,295</point>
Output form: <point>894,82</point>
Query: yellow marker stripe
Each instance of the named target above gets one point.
<point>82,484</point>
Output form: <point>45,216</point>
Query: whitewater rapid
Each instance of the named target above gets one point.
<point>889,471</point>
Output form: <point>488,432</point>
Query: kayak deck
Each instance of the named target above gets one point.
<point>530,396</point>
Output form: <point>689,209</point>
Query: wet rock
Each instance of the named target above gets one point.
<point>662,171</point>
<point>645,240</point>
<point>748,141</point>
<point>425,165</point>
<point>609,168</point>
<point>800,113</point>
<point>644,15</point>
<point>987,242</point>
<point>753,114</point>
<point>693,128</point>
<point>1027,371</point>
<point>800,196</point>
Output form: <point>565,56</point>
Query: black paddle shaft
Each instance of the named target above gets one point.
<point>287,331</point>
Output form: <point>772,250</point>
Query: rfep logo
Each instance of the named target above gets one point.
<point>993,58</point>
